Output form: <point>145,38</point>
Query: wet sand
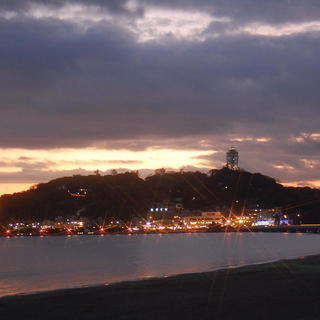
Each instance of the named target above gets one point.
<point>281,290</point>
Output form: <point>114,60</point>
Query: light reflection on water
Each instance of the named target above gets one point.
<point>48,263</point>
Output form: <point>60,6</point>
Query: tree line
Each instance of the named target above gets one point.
<point>126,195</point>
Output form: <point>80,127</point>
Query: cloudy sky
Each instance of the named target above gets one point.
<point>143,84</point>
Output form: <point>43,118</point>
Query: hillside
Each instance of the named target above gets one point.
<point>126,195</point>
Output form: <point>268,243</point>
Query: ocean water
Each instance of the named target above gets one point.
<point>33,264</point>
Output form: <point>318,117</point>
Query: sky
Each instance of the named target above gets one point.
<point>145,84</point>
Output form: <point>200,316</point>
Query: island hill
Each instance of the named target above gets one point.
<point>125,196</point>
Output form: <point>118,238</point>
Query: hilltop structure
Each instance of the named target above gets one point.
<point>232,159</point>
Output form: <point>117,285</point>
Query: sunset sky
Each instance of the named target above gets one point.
<point>139,85</point>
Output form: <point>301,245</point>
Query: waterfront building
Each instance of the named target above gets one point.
<point>265,217</point>
<point>165,209</point>
<point>207,218</point>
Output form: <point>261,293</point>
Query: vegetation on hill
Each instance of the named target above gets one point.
<point>126,195</point>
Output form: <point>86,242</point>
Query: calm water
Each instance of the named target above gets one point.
<point>47,263</point>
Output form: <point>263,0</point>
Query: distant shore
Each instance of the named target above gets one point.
<point>287,289</point>
<point>303,228</point>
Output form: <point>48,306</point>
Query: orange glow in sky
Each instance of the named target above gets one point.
<point>311,183</point>
<point>93,158</point>
<point>23,163</point>
<point>7,188</point>
<point>22,168</point>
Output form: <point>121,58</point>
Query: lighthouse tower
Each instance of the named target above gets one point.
<point>232,159</point>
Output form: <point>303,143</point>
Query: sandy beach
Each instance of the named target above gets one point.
<point>281,290</point>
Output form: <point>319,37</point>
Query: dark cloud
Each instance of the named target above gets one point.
<point>273,11</point>
<point>114,6</point>
<point>65,85</point>
<point>81,87</point>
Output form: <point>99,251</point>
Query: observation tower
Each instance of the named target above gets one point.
<point>232,159</point>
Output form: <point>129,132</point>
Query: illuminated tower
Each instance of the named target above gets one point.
<point>232,159</point>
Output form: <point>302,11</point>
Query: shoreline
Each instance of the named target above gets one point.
<point>281,289</point>
<point>99,285</point>
<point>301,228</point>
